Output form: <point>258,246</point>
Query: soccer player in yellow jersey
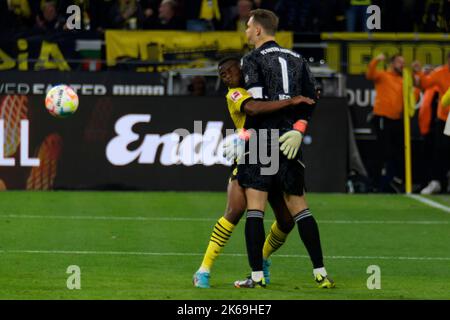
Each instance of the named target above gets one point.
<point>242,107</point>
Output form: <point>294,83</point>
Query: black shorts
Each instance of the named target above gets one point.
<point>289,178</point>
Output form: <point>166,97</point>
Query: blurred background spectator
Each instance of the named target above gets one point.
<point>150,9</point>
<point>208,15</point>
<point>197,87</point>
<point>439,78</point>
<point>294,14</point>
<point>266,4</point>
<point>436,16</point>
<point>99,11</point>
<point>239,20</point>
<point>202,15</point>
<point>168,17</point>
<point>49,17</point>
<point>127,14</point>
<point>15,15</point>
<point>428,124</point>
<point>356,15</point>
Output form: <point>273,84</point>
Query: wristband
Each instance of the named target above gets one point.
<point>301,126</point>
<point>244,134</point>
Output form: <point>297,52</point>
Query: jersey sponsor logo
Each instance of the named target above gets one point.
<point>235,96</point>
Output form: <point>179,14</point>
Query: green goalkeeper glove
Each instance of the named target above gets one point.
<point>290,143</point>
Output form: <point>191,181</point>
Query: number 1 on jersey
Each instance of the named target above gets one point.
<point>284,74</point>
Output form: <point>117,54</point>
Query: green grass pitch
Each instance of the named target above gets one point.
<point>147,245</point>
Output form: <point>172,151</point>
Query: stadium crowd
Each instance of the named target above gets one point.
<point>204,15</point>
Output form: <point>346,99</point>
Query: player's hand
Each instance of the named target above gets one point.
<point>290,143</point>
<point>416,66</point>
<point>301,99</point>
<point>234,149</point>
<point>380,57</point>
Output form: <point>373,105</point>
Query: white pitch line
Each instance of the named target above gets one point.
<point>142,253</point>
<point>429,202</point>
<point>112,218</point>
<point>137,218</point>
<point>383,222</point>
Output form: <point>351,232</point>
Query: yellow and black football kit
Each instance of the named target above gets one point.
<point>236,100</point>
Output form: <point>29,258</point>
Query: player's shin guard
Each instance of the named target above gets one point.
<point>274,240</point>
<point>254,236</point>
<point>309,233</point>
<point>219,237</point>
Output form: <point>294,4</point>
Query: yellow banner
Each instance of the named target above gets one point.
<point>153,45</point>
<point>351,52</point>
<point>383,36</point>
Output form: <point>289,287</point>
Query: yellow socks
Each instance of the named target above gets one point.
<point>219,237</point>
<point>274,240</point>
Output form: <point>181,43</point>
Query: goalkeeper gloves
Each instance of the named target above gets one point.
<point>234,148</point>
<point>290,143</point>
<point>291,140</point>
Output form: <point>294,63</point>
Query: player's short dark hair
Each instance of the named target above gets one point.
<point>395,56</point>
<point>229,58</point>
<point>267,19</point>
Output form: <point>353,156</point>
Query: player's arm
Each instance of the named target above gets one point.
<point>372,73</point>
<point>421,79</point>
<point>425,81</point>
<point>254,107</point>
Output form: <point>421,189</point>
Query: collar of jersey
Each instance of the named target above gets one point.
<point>269,43</point>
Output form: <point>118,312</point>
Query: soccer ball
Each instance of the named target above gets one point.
<point>61,101</point>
